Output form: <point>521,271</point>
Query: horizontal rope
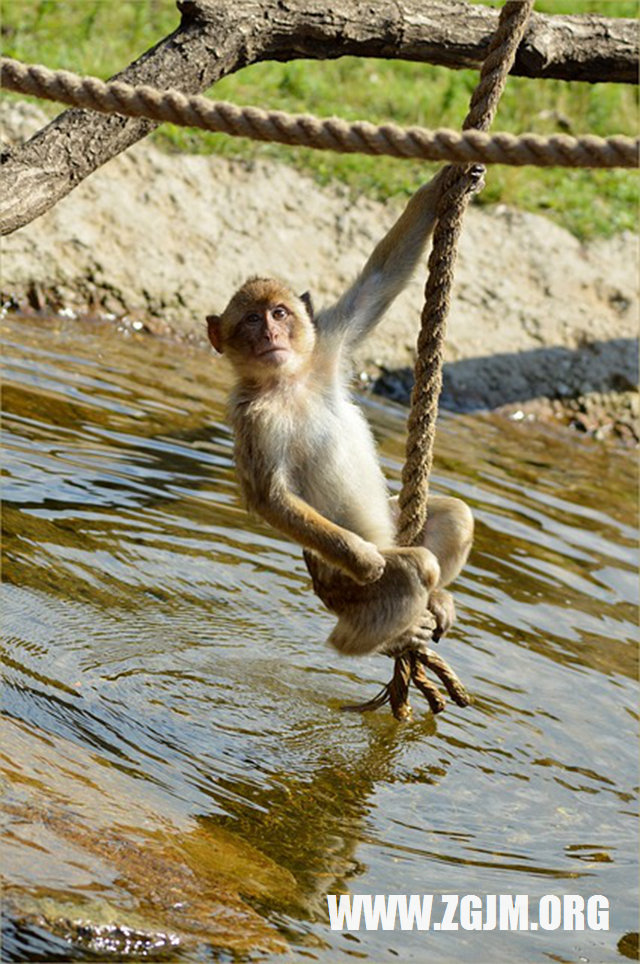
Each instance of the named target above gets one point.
<point>323,134</point>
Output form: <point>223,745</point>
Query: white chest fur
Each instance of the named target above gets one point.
<point>329,458</point>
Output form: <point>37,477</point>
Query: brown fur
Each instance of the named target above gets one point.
<point>373,614</point>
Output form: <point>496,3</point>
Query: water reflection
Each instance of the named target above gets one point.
<point>176,759</point>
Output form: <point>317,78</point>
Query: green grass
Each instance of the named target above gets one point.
<point>100,37</point>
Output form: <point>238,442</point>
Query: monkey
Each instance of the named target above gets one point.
<point>305,456</point>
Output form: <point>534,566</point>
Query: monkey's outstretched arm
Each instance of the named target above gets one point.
<point>391,264</point>
<point>337,546</point>
<point>387,271</point>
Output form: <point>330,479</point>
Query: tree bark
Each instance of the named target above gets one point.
<point>218,37</point>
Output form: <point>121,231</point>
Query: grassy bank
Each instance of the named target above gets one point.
<point>99,37</point>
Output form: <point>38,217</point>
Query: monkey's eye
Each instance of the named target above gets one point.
<point>253,319</point>
<point>280,313</point>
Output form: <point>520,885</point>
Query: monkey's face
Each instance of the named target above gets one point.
<point>266,333</point>
<point>265,330</point>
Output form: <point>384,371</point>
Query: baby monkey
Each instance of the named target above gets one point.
<point>305,456</point>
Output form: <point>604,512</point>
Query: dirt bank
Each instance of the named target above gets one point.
<point>163,239</point>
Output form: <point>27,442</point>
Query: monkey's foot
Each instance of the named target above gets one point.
<point>417,639</point>
<point>409,667</point>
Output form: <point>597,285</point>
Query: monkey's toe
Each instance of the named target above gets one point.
<point>442,607</point>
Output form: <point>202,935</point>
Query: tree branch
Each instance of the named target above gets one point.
<point>218,37</point>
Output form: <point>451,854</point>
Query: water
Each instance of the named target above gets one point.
<point>179,780</point>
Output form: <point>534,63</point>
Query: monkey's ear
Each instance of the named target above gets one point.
<point>308,303</point>
<point>214,329</point>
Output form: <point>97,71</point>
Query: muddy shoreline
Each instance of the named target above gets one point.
<point>541,326</point>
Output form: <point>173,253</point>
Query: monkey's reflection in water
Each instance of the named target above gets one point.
<point>313,828</point>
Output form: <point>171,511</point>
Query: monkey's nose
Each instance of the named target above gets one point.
<point>271,335</point>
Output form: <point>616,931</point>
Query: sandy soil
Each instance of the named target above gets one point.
<point>540,323</point>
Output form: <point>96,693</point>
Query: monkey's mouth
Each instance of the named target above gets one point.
<point>275,352</point>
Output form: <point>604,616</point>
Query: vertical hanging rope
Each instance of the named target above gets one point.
<point>453,203</point>
<point>458,183</point>
<point>411,657</point>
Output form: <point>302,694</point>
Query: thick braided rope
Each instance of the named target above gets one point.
<point>451,207</point>
<point>398,687</point>
<point>305,130</point>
